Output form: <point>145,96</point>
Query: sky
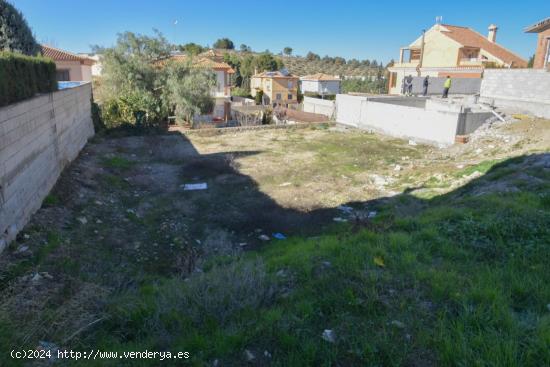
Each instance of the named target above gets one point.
<point>350,29</point>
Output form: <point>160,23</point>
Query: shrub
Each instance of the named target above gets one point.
<point>22,77</point>
<point>138,107</point>
<point>258,98</point>
<point>240,92</point>
<point>218,294</point>
<point>15,34</point>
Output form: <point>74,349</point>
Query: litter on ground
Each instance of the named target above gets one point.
<point>197,186</point>
<point>338,219</point>
<point>345,209</point>
<point>279,236</point>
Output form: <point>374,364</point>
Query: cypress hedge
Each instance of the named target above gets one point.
<point>22,77</point>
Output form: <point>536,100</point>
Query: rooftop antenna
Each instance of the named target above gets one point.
<point>439,19</point>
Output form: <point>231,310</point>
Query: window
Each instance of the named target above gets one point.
<point>415,55</point>
<point>290,97</point>
<point>393,80</point>
<point>290,84</point>
<point>62,75</point>
<point>278,96</point>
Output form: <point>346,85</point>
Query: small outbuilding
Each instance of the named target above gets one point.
<point>320,83</point>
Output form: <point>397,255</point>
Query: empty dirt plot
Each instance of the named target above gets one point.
<point>121,256</point>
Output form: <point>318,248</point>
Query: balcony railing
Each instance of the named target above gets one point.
<point>470,61</point>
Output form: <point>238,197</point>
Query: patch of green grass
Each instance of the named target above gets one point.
<point>482,168</point>
<point>460,281</point>
<point>17,269</point>
<point>118,163</point>
<point>51,200</point>
<point>114,181</point>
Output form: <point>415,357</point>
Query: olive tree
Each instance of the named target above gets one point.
<point>188,89</point>
<point>140,83</point>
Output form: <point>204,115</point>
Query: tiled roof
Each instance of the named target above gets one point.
<point>275,74</point>
<point>200,62</point>
<point>470,38</point>
<point>320,76</point>
<point>61,55</point>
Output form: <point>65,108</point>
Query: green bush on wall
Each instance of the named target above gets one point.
<point>22,77</point>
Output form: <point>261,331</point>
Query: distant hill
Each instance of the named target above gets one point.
<point>364,76</point>
<point>313,64</point>
<point>328,65</point>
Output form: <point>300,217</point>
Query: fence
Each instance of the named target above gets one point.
<point>286,114</point>
<point>38,138</point>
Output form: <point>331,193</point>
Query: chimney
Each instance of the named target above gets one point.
<point>492,36</point>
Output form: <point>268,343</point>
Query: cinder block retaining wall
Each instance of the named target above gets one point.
<point>458,85</point>
<point>38,138</point>
<point>523,90</point>
<point>423,120</point>
<point>319,106</point>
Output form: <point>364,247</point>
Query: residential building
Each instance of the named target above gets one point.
<point>448,50</point>
<point>542,55</point>
<point>221,69</point>
<point>97,67</point>
<point>279,87</point>
<point>69,66</point>
<point>320,83</point>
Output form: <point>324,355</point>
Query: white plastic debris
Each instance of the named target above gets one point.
<point>197,186</point>
<point>249,355</point>
<point>372,214</point>
<point>345,208</point>
<point>329,336</point>
<point>264,237</point>
<point>397,167</point>
<point>338,219</point>
<point>285,184</point>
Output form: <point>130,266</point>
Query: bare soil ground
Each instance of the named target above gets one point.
<point>119,213</point>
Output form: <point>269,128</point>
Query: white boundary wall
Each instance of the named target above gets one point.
<point>320,106</point>
<point>432,123</point>
<point>522,90</point>
<point>38,138</point>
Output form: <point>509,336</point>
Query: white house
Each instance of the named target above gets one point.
<point>69,66</point>
<point>97,67</point>
<point>320,83</point>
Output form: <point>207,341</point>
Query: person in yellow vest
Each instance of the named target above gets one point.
<point>446,87</point>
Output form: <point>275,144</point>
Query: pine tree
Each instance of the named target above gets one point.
<point>15,34</point>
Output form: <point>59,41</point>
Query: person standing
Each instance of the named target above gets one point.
<point>425,85</point>
<point>446,86</point>
<point>408,85</point>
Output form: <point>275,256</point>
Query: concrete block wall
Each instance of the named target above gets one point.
<point>38,138</point>
<point>522,90</point>
<point>319,106</point>
<point>433,123</point>
<point>458,85</point>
